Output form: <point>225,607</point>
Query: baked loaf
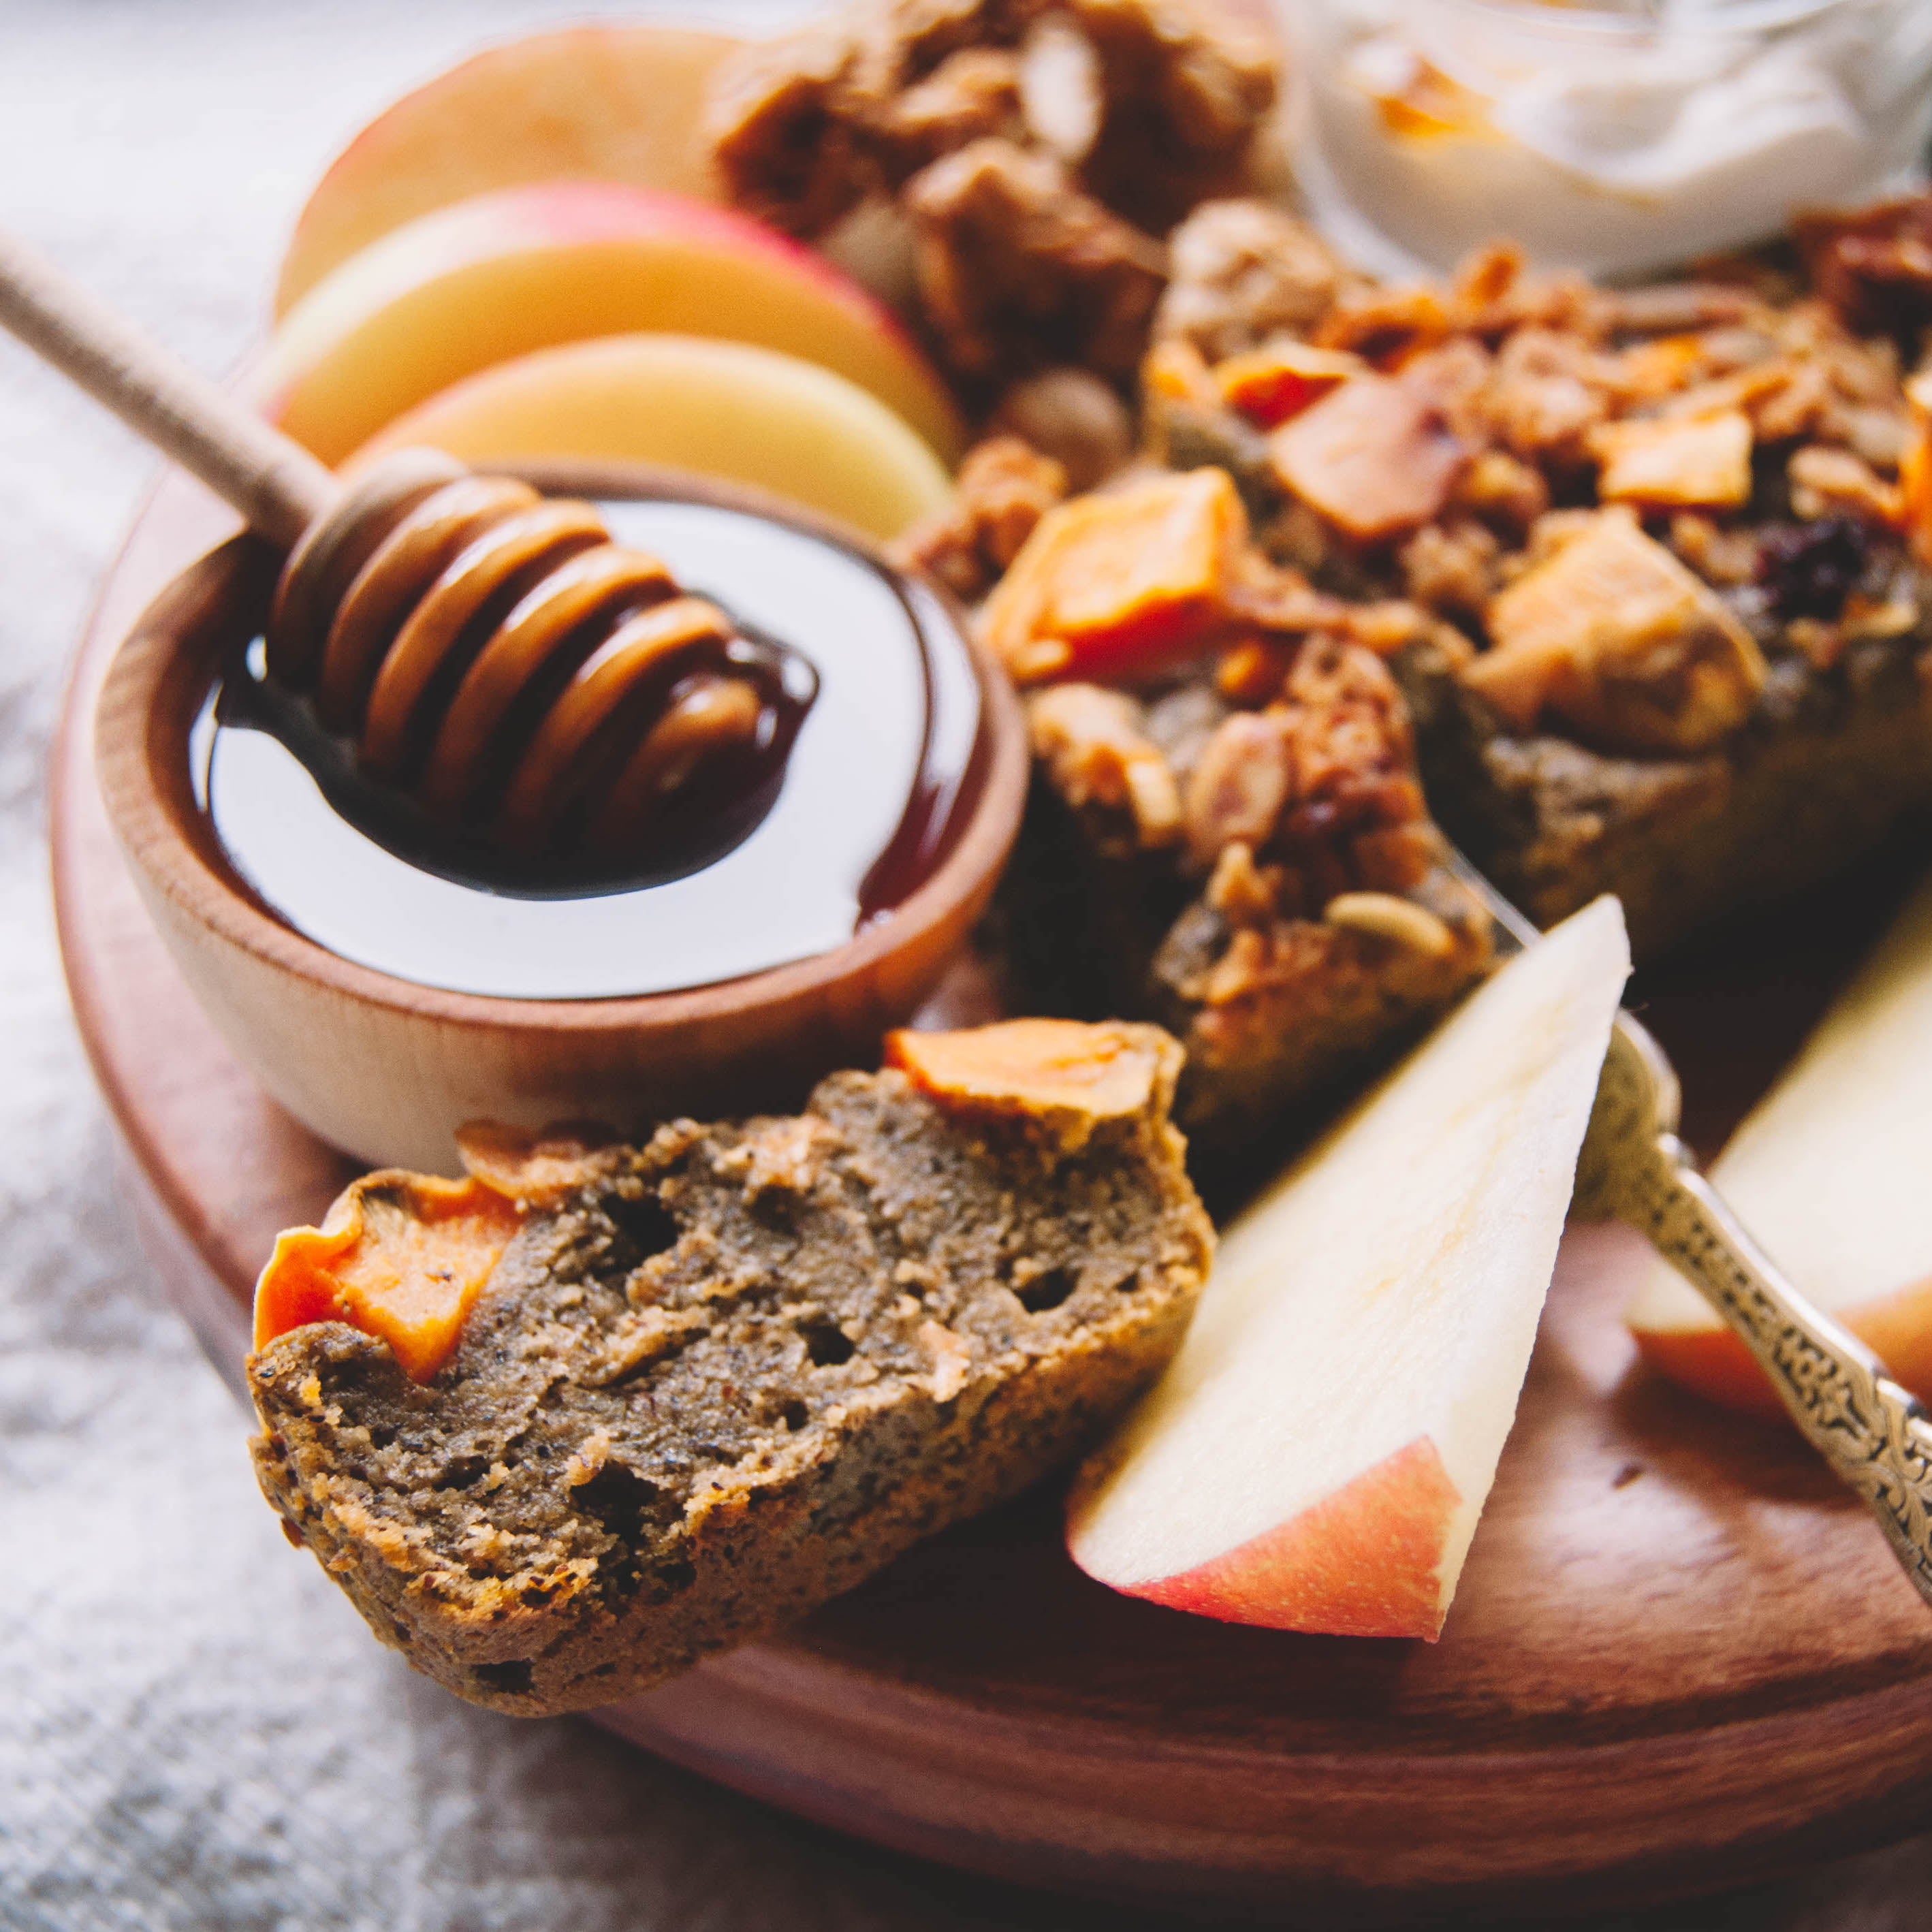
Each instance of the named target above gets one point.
<point>711,1382</point>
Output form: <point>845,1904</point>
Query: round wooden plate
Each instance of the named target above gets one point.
<point>1681,1656</point>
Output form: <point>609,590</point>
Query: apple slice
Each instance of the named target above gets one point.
<point>720,408</point>
<point>496,276</point>
<point>1316,1456</point>
<point>606,102</point>
<point>1831,1171</point>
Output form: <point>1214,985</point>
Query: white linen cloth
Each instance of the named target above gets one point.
<point>196,1730</point>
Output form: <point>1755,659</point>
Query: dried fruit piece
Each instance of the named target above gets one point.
<point>1915,470</point>
<point>1375,457</point>
<point>399,1255</point>
<point>1700,463</point>
<point>1282,378</point>
<point>1068,1077</point>
<point>1118,581</point>
<point>1615,635</point>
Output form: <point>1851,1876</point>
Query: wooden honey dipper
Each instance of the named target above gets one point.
<point>494,655</point>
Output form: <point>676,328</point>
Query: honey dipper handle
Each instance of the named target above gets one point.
<point>276,484</point>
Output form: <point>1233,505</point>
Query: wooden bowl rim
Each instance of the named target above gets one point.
<point>145,810</point>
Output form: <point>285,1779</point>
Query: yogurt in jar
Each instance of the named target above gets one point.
<point>1613,139</point>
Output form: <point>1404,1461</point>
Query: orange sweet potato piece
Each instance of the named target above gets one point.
<point>1109,584</point>
<point>1691,462</point>
<point>399,1255</point>
<point>1066,1076</point>
<point>1914,471</point>
<point>1374,456</point>
<point>1282,378</point>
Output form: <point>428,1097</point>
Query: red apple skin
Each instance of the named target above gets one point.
<point>1713,1364</point>
<point>343,362</point>
<point>1364,1561</point>
<point>612,100</point>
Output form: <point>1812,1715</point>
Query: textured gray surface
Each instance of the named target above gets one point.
<point>195,1730</point>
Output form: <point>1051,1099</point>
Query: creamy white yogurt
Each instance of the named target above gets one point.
<point>1615,139</point>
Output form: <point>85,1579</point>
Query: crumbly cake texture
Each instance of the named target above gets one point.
<point>724,1376</point>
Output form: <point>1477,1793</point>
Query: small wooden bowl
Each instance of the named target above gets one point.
<point>387,1070</point>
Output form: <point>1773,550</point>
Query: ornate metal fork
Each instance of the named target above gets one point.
<point>1633,1168</point>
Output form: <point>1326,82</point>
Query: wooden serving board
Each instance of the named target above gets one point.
<point>1681,1658</point>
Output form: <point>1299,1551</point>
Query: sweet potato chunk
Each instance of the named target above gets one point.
<point>1374,456</point>
<point>1109,585</point>
<point>1914,471</point>
<point>1617,638</point>
<point>399,1255</point>
<point>1067,1077</point>
<point>1283,377</point>
<point>1692,462</point>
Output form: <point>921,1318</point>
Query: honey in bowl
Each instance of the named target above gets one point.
<point>843,769</point>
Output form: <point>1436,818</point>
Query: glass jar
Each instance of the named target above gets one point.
<point>1615,139</point>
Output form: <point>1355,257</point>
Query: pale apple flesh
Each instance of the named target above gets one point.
<point>1317,1454</point>
<point>1831,1171</point>
<point>609,101</point>
<point>497,276</point>
<point>723,409</point>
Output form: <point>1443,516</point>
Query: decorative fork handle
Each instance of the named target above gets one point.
<point>1872,1433</point>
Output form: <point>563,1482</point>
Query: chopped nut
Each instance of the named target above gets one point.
<point>1091,743</point>
<point>1004,487</point>
<point>1244,779</point>
<point>1016,268</point>
<point>1184,92</point>
<point>1834,482</point>
<point>1374,458</point>
<point>1410,925</point>
<point>587,1458</point>
<point>1503,490</point>
<point>1243,272</point>
<point>776,128</point>
<point>1615,635</point>
<point>974,93</point>
<point>952,1359</point>
<point>1119,580</point>
<point>1071,416</point>
<point>1702,462</point>
<point>1451,566</point>
<point>1068,1077</point>
<point>1242,893</point>
<point>1716,554</point>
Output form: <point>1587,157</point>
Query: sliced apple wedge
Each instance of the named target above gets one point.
<point>720,409</point>
<point>607,101</point>
<point>471,285</point>
<point>1317,1455</point>
<point>1831,1171</point>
